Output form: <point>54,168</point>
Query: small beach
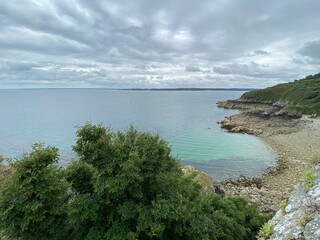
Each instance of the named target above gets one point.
<point>294,141</point>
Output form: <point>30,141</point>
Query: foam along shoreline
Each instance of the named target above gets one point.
<point>293,140</point>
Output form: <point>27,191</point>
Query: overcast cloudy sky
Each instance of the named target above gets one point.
<point>152,43</point>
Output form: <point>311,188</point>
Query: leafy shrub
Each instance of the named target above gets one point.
<point>33,201</point>
<point>125,185</point>
<point>265,232</point>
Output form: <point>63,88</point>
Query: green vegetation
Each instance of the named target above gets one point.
<point>5,173</point>
<point>125,185</point>
<point>301,95</point>
<point>314,158</point>
<point>309,173</point>
<point>265,232</point>
<point>199,177</point>
<point>309,176</point>
<point>309,215</point>
<point>282,206</point>
<point>32,201</point>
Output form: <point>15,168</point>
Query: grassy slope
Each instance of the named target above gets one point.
<point>301,95</point>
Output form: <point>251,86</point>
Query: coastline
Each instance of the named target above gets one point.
<point>293,141</point>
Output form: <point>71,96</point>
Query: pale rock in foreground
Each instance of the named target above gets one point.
<point>301,217</point>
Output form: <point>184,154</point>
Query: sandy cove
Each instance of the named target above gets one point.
<point>294,140</point>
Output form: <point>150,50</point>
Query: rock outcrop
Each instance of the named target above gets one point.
<point>260,109</point>
<point>250,123</point>
<point>300,217</point>
<point>206,182</point>
<point>244,104</point>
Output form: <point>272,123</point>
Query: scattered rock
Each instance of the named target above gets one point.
<point>257,123</point>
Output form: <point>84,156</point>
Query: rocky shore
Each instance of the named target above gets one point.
<point>292,137</point>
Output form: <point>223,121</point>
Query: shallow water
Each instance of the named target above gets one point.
<point>186,119</point>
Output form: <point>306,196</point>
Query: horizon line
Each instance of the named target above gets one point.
<point>137,89</point>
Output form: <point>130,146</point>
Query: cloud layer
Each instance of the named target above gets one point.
<point>142,43</point>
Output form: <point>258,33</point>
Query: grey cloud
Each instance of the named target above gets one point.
<point>311,49</point>
<point>250,69</point>
<point>131,43</point>
<point>253,69</point>
<point>22,66</point>
<point>193,69</point>
<point>260,52</point>
<point>257,52</point>
<point>305,61</point>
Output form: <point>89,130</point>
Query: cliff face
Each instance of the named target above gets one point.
<point>300,218</point>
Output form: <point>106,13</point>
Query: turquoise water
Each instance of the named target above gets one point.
<point>186,119</point>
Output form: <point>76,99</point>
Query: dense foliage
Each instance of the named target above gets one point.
<point>301,95</point>
<point>125,185</point>
<point>33,200</point>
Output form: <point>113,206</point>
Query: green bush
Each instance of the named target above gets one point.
<point>125,185</point>
<point>265,232</point>
<point>33,201</point>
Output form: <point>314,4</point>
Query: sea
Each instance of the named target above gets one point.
<point>187,120</point>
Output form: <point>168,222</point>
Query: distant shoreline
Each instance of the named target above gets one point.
<point>139,89</point>
<point>188,89</point>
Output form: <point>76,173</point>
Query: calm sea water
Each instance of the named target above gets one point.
<point>186,119</point>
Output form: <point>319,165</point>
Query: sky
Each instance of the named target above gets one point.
<point>157,44</point>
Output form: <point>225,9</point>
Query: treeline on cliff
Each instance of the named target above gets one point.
<point>301,95</point>
<point>123,185</point>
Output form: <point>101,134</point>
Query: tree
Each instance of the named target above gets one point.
<point>143,193</point>
<point>124,185</point>
<point>33,201</point>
